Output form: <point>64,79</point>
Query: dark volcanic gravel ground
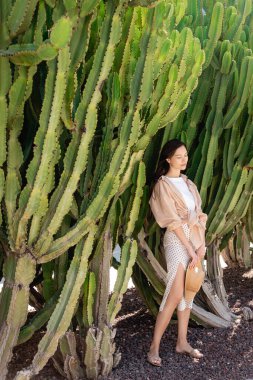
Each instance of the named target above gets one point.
<point>228,353</point>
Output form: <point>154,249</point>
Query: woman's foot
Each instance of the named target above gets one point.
<point>187,349</point>
<point>153,357</point>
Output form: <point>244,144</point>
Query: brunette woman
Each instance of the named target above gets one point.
<point>176,205</point>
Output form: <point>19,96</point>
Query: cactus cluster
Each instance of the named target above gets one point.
<point>89,92</point>
<point>217,129</point>
<point>84,88</point>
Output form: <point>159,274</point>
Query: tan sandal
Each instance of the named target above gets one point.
<point>193,353</point>
<point>154,360</point>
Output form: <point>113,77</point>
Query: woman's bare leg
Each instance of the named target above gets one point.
<point>164,316</point>
<point>183,320</point>
<point>182,344</point>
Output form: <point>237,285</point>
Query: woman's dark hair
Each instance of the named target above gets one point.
<point>167,152</point>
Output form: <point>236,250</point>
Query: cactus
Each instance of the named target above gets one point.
<point>23,273</point>
<point>75,73</point>
<point>221,163</point>
<point>61,317</point>
<point>102,86</point>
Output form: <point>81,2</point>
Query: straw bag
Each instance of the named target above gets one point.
<point>193,280</point>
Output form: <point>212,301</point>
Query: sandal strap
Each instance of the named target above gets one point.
<point>154,358</point>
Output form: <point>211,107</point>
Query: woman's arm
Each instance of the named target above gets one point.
<point>181,235</point>
<point>201,251</point>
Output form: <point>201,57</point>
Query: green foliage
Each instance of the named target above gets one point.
<point>85,90</point>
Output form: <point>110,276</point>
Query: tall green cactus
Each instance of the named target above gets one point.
<point>101,85</point>
<point>218,135</point>
<point>95,82</point>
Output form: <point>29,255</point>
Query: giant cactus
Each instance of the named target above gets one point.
<point>97,87</point>
<point>217,129</point>
<point>84,89</point>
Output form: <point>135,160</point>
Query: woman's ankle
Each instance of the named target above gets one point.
<point>154,347</point>
<point>182,343</point>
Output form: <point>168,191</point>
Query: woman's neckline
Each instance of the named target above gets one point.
<point>180,177</point>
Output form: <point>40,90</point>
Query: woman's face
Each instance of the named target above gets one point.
<point>179,159</point>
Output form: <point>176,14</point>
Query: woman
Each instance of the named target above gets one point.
<point>176,205</point>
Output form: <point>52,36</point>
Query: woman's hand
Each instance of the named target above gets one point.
<point>201,251</point>
<point>194,257</point>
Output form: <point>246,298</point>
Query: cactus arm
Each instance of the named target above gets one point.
<point>69,357</point>
<point>72,237</point>
<point>41,20</point>
<point>43,203</point>
<point>240,209</point>
<point>105,147</point>
<point>124,272</point>
<point>214,31</point>
<point>225,201</point>
<point>70,6</point>
<point>69,160</point>
<point>143,286</point>
<point>78,49</point>
<point>197,106</point>
<point>233,33</point>
<point>5,82</point>
<point>62,261</point>
<point>101,267</point>
<point>110,183</point>
<point>28,54</point>
<point>128,256</point>
<point>236,107</point>
<point>234,141</point>
<point>18,94</point>
<point>4,31</point>
<point>107,185</point>
<point>48,281</point>
<point>136,82</point>
<point>149,265</point>
<point>39,320</point>
<point>173,102</point>
<point>247,132</point>
<point>249,219</point>
<point>2,182</point>
<point>108,357</point>
<point>216,132</point>
<point>21,16</point>
<point>63,313</point>
<point>91,91</point>
<point>91,359</point>
<point>88,299</point>
<point>6,293</point>
<point>144,3</point>
<point>24,274</point>
<point>234,187</point>
<point>237,193</point>
<point>129,29</point>
<point>50,142</point>
<point>90,125</point>
<point>127,178</point>
<point>137,200</point>
<point>225,154</point>
<point>38,141</point>
<point>217,200</point>
<point>88,7</point>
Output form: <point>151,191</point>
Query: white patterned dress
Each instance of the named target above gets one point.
<point>175,251</point>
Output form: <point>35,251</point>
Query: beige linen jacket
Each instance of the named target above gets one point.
<point>170,210</point>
